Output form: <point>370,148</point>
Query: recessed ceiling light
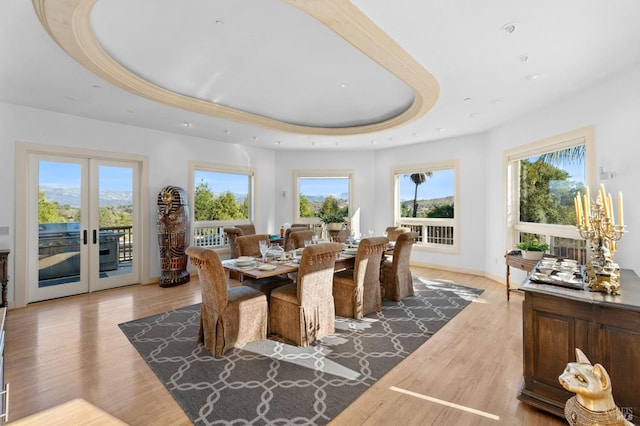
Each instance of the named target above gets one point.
<point>373,142</point>
<point>467,99</point>
<point>219,22</point>
<point>343,84</point>
<point>523,58</point>
<point>187,124</point>
<point>278,142</point>
<point>227,132</point>
<point>533,76</point>
<point>509,28</point>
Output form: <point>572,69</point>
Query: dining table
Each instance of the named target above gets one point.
<point>271,268</point>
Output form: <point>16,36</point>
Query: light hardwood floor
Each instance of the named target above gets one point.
<point>72,348</point>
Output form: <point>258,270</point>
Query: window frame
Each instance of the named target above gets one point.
<point>320,173</point>
<point>201,166</point>
<point>398,172</point>
<point>512,158</point>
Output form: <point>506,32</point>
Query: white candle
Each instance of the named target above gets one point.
<point>587,212</point>
<point>620,214</point>
<point>609,208</point>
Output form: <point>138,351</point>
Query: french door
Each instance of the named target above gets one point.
<point>82,224</point>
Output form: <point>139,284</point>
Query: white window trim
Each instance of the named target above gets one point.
<point>317,173</point>
<point>455,222</point>
<point>584,135</point>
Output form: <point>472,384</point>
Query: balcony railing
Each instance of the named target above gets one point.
<point>439,234</point>
<point>125,242</point>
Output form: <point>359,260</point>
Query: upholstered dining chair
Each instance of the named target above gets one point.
<point>249,245</point>
<point>394,231</point>
<point>247,229</point>
<point>229,316</point>
<point>304,312</point>
<point>299,237</point>
<point>288,241</point>
<point>397,282</point>
<point>342,236</point>
<point>356,292</point>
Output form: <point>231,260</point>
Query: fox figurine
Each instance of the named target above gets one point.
<point>593,404</point>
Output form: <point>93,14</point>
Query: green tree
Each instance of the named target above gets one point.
<point>441,211</point>
<point>203,202</point>
<point>546,194</point>
<point>331,207</point>
<point>226,207</point>
<point>418,179</point>
<point>305,207</point>
<point>48,210</point>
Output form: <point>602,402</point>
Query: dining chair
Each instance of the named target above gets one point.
<point>288,241</point>
<point>247,229</point>
<point>397,282</point>
<point>249,245</point>
<point>304,312</point>
<point>356,292</point>
<point>394,231</point>
<point>299,237</point>
<point>229,316</point>
<point>232,234</point>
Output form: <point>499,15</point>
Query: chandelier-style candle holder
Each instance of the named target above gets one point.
<point>595,223</point>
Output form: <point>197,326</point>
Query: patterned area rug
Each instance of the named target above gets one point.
<point>272,383</point>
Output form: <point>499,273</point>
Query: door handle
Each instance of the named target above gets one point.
<point>84,237</point>
<point>95,236</point>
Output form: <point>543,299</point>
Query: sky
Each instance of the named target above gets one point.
<point>64,175</point>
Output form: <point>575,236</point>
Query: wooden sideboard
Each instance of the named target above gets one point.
<point>606,328</point>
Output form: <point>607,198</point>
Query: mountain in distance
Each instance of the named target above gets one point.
<point>71,196</point>
<point>428,204</point>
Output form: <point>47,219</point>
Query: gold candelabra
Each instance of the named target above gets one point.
<point>595,223</point>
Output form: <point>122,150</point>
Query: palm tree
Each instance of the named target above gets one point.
<point>567,155</point>
<point>418,179</point>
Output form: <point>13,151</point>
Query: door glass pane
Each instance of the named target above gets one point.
<point>58,223</point>
<point>115,201</point>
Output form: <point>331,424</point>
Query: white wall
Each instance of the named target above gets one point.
<point>469,151</point>
<point>613,107</point>
<point>168,154</point>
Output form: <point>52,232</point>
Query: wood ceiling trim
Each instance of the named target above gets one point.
<point>68,23</point>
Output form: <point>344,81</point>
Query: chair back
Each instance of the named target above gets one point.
<point>288,241</point>
<point>232,234</point>
<point>342,236</point>
<point>248,229</point>
<point>299,237</point>
<point>213,282</point>
<point>368,260</point>
<point>402,251</point>
<point>315,273</point>
<point>249,245</point>
<point>394,231</point>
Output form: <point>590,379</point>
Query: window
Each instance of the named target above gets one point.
<point>222,196</point>
<point>320,192</point>
<point>425,196</point>
<point>544,178</point>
